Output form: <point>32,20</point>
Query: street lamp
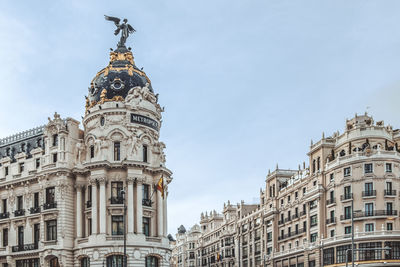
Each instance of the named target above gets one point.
<point>123,199</point>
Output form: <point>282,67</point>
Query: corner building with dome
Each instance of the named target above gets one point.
<point>63,189</point>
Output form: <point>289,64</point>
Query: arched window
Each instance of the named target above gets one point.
<point>115,261</point>
<point>54,262</point>
<point>151,261</point>
<point>85,262</point>
<point>318,163</point>
<point>313,166</point>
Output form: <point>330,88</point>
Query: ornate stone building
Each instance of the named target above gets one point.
<point>63,188</point>
<point>304,217</point>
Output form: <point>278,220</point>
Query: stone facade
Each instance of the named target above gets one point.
<point>63,189</point>
<point>304,216</point>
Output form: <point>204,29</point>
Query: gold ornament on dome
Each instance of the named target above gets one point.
<point>128,56</point>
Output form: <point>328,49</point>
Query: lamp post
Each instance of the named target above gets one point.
<point>123,199</point>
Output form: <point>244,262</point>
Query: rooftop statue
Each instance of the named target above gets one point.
<point>124,28</point>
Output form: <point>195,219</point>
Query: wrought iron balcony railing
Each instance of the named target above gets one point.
<point>50,205</point>
<point>4,215</point>
<point>331,201</point>
<point>346,196</point>
<point>117,200</point>
<point>390,192</point>
<point>331,220</point>
<point>24,247</point>
<point>34,210</point>
<point>146,202</point>
<point>369,193</point>
<point>20,212</point>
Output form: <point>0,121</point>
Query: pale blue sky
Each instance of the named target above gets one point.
<point>246,84</point>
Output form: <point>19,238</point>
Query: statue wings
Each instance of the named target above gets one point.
<point>116,20</point>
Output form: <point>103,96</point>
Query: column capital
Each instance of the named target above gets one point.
<point>79,186</point>
<point>130,180</point>
<point>92,181</point>
<point>140,180</point>
<point>102,180</point>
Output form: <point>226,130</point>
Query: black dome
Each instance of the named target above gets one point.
<point>118,77</point>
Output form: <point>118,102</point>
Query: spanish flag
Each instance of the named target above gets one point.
<point>160,186</point>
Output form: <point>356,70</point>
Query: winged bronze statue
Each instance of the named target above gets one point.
<point>124,28</point>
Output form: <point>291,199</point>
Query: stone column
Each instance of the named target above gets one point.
<point>79,211</point>
<point>102,206</point>
<point>131,210</point>
<point>165,214</point>
<point>139,206</point>
<point>94,207</point>
<point>160,220</point>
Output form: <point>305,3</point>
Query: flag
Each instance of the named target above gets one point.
<point>160,186</point>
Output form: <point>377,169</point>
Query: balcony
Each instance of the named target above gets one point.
<point>292,234</point>
<point>373,213</point>
<point>369,193</point>
<point>51,205</point>
<point>4,215</point>
<point>331,201</point>
<point>24,247</point>
<point>347,196</point>
<point>390,193</point>
<point>34,210</point>
<point>302,213</point>
<point>280,222</point>
<point>288,219</point>
<point>295,216</point>
<point>331,220</point>
<point>88,204</point>
<point>117,200</point>
<point>146,202</point>
<point>19,212</point>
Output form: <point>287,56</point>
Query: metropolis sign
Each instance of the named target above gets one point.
<point>135,118</point>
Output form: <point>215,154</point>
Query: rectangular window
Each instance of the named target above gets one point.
<point>20,203</point>
<point>146,226</point>
<point>369,227</point>
<point>21,167</point>
<point>144,153</point>
<point>91,152</point>
<point>347,230</point>
<point>389,187</point>
<point>313,220</point>
<point>329,256</point>
<point>117,151</point>
<point>347,171</point>
<point>368,168</point>
<point>5,171</point>
<point>50,195</point>
<point>54,157</point>
<point>117,225</point>
<point>36,233</point>
<point>367,253</point>
<point>51,230</point>
<point>146,191</point>
<point>347,212</point>
<point>5,237</point>
<point>341,254</point>
<point>116,195</point>
<point>313,237</point>
<point>55,140</point>
<point>36,200</point>
<point>20,236</point>
<point>389,226</point>
<point>304,191</point>
<point>388,167</point>
<point>369,209</point>
<point>4,205</point>
<point>331,177</point>
<point>37,163</point>
<point>332,233</point>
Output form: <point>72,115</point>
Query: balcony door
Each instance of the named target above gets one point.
<point>20,236</point>
<point>369,209</point>
<point>36,234</point>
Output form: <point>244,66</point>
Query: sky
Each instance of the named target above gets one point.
<point>246,85</point>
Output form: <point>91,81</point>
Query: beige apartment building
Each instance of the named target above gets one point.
<point>304,216</point>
